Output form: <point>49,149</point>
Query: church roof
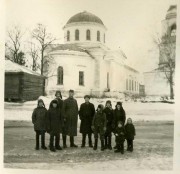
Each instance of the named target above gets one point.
<point>70,47</point>
<point>85,17</point>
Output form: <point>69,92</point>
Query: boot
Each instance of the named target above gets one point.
<point>72,142</point>
<point>109,143</point>
<point>118,149</point>
<point>131,148</point>
<point>52,149</point>
<point>90,140</point>
<point>43,141</point>
<point>37,141</point>
<point>57,143</point>
<point>102,145</point>
<point>95,144</point>
<point>106,144</point>
<point>64,141</point>
<point>83,140</point>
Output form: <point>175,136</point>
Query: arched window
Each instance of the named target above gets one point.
<point>98,35</point>
<point>77,35</point>
<point>88,35</point>
<point>68,35</point>
<point>60,75</point>
<point>104,38</point>
<point>173,30</point>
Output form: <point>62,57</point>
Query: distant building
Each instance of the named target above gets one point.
<point>84,62</point>
<point>156,83</point>
<point>21,83</point>
<point>141,90</point>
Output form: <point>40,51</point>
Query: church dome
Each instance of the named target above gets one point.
<point>85,17</point>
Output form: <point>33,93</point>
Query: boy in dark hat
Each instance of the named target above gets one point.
<point>109,117</point>
<point>86,114</point>
<point>39,118</point>
<point>120,137</point>
<point>99,126</point>
<point>55,124</point>
<point>70,114</point>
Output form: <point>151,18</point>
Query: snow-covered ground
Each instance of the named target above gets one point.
<point>136,110</point>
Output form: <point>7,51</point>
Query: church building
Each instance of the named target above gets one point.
<point>84,62</point>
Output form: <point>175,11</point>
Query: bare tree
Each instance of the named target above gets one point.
<point>167,46</point>
<point>45,39</point>
<point>34,53</point>
<point>13,45</point>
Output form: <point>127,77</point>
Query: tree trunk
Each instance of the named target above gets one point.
<point>171,91</point>
<point>42,60</point>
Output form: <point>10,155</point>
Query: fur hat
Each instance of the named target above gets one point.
<point>87,96</point>
<point>119,103</point>
<point>108,101</point>
<point>58,92</point>
<point>71,90</point>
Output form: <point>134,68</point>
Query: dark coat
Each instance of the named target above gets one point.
<point>86,114</point>
<point>39,117</point>
<point>54,120</point>
<point>130,131</point>
<point>120,134</point>
<point>109,119</point>
<point>70,113</point>
<point>119,115</point>
<point>99,120</point>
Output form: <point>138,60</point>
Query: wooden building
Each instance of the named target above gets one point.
<point>22,83</point>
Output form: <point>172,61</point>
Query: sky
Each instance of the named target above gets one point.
<point>131,24</point>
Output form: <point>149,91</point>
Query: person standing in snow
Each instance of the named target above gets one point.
<point>86,114</point>
<point>99,126</point>
<point>70,114</point>
<point>130,133</point>
<point>55,124</point>
<point>39,118</point>
<point>109,117</point>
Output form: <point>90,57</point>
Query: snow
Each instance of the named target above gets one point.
<point>136,110</point>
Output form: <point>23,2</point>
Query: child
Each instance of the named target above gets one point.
<point>99,126</point>
<point>120,138</point>
<point>109,117</point>
<point>55,124</point>
<point>130,133</point>
<point>39,121</point>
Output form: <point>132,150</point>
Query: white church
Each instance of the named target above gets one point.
<point>84,62</point>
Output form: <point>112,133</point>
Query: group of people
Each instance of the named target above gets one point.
<point>62,118</point>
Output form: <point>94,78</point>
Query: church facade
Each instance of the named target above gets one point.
<point>84,62</point>
<point>156,81</point>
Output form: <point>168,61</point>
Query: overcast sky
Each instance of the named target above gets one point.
<point>130,23</point>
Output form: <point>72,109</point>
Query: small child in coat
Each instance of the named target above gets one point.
<point>55,124</point>
<point>99,126</point>
<point>130,133</point>
<point>120,138</point>
<point>39,120</point>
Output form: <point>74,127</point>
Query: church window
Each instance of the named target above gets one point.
<point>126,84</point>
<point>60,75</point>
<point>81,78</point>
<point>68,35</point>
<point>88,35</point>
<point>130,85</point>
<point>173,30</point>
<point>77,35</point>
<point>104,38</point>
<point>98,35</point>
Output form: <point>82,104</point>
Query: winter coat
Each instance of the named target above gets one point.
<point>109,119</point>
<point>39,117</point>
<point>70,113</point>
<point>54,120</point>
<point>86,114</point>
<point>99,122</point>
<point>130,131</point>
<point>120,135</point>
<point>119,115</point>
